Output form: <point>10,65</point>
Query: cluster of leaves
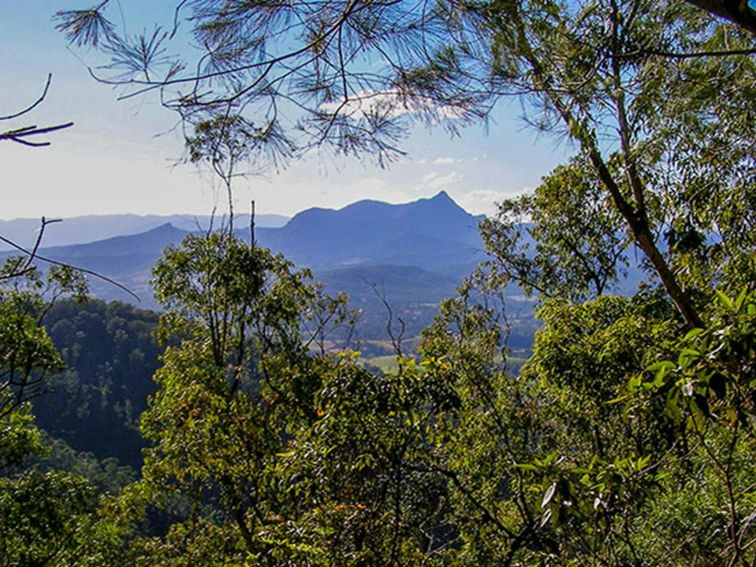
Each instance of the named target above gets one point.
<point>268,450</point>
<point>45,513</point>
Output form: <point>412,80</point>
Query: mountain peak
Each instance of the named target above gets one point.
<point>441,203</point>
<point>443,200</point>
<point>162,227</point>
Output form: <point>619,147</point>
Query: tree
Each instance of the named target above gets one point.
<point>237,381</point>
<point>291,78</point>
<point>110,353</point>
<point>44,516</point>
<point>564,240</point>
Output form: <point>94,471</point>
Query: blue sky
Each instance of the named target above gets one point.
<point>121,157</point>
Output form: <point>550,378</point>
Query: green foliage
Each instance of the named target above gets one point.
<point>27,354</point>
<point>563,240</point>
<point>42,518</point>
<point>362,466</point>
<point>546,460</point>
<point>105,476</point>
<point>19,438</point>
<point>236,380</point>
<point>26,351</point>
<point>712,377</point>
<point>46,514</point>
<point>267,452</point>
<point>110,353</point>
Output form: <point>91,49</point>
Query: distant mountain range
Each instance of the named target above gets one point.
<point>88,228</point>
<point>429,233</point>
<point>412,255</point>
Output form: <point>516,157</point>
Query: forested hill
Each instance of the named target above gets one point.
<point>110,354</point>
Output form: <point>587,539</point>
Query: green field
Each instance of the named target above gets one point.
<point>387,363</point>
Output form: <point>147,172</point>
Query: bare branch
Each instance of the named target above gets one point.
<point>33,105</point>
<point>20,135</point>
<point>34,255</point>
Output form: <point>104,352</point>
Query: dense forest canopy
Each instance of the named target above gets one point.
<point>626,438</point>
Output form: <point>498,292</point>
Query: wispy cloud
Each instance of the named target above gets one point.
<point>434,180</point>
<point>446,161</point>
<point>394,104</point>
<point>485,201</point>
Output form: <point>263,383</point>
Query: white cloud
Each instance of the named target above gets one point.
<point>480,201</point>
<point>392,103</point>
<point>485,201</point>
<point>445,161</point>
<point>434,180</point>
<point>428,177</point>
